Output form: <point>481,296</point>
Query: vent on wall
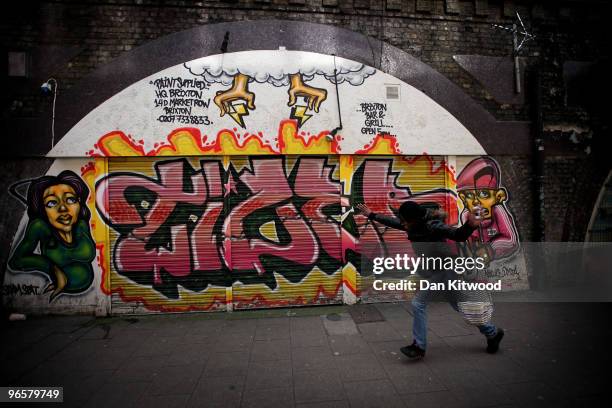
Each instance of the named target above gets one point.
<point>393,92</point>
<point>17,64</point>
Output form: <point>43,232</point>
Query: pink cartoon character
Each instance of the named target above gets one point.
<point>479,187</point>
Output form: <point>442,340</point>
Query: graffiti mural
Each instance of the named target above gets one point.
<point>53,255</point>
<point>276,230</point>
<point>244,98</point>
<point>496,240</point>
<point>292,75</point>
<point>259,219</point>
<point>205,233</point>
<point>383,183</point>
<point>479,185</point>
<point>228,182</point>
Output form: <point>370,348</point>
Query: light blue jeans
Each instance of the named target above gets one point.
<point>419,324</point>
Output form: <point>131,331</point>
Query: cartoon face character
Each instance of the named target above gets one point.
<point>62,206</point>
<point>57,204</point>
<point>485,198</point>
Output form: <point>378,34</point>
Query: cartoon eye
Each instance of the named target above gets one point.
<point>71,200</point>
<point>145,204</point>
<point>469,195</point>
<point>51,203</point>
<point>484,194</point>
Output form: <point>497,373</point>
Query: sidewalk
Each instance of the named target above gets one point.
<point>553,355</point>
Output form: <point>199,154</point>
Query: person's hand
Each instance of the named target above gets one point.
<point>362,208</point>
<point>474,217</point>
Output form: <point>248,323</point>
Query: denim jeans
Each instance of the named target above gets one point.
<point>419,324</point>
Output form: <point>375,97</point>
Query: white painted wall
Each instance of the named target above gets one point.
<point>420,124</point>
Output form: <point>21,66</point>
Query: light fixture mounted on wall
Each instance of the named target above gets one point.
<point>49,86</point>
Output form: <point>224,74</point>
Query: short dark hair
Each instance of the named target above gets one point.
<point>36,207</point>
<point>411,211</point>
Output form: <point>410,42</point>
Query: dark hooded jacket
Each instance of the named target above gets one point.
<point>430,235</point>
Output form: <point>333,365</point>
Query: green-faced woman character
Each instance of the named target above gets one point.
<point>59,226</point>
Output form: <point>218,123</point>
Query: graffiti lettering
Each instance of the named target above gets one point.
<point>374,115</point>
<point>189,93</point>
<point>184,119</point>
<point>177,111</point>
<point>213,226</point>
<point>23,289</point>
<point>273,199</point>
<point>192,227</point>
<point>503,271</point>
<point>177,97</point>
<point>375,184</point>
<point>178,82</point>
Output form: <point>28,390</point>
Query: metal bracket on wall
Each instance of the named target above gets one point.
<point>516,46</point>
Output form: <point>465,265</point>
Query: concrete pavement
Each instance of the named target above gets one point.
<point>553,355</point>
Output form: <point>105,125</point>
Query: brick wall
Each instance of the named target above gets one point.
<point>432,30</point>
<point>70,39</point>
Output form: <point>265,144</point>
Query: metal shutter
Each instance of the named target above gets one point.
<point>164,218</point>
<point>383,183</point>
<point>284,224</point>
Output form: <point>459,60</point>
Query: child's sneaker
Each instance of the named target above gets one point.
<point>493,342</point>
<point>413,351</point>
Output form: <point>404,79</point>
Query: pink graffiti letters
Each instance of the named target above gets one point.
<point>156,220</point>
<point>375,184</point>
<point>203,227</point>
<point>259,217</point>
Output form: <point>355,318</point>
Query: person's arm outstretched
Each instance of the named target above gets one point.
<point>459,234</point>
<point>392,222</point>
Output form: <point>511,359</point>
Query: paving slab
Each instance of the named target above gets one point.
<point>317,386</point>
<point>372,394</point>
<point>340,324</point>
<point>277,349</point>
<point>269,374</point>
<point>278,397</point>
<point>348,344</point>
<point>217,392</point>
<point>313,358</point>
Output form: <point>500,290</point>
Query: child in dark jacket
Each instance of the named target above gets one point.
<point>424,227</point>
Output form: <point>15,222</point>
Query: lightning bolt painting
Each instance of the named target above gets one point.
<point>299,113</point>
<point>237,111</point>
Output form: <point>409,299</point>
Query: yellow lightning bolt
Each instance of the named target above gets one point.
<point>299,112</point>
<point>237,112</point>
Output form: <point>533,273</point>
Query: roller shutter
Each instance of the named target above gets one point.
<point>383,183</point>
<point>165,218</point>
<point>283,224</point>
